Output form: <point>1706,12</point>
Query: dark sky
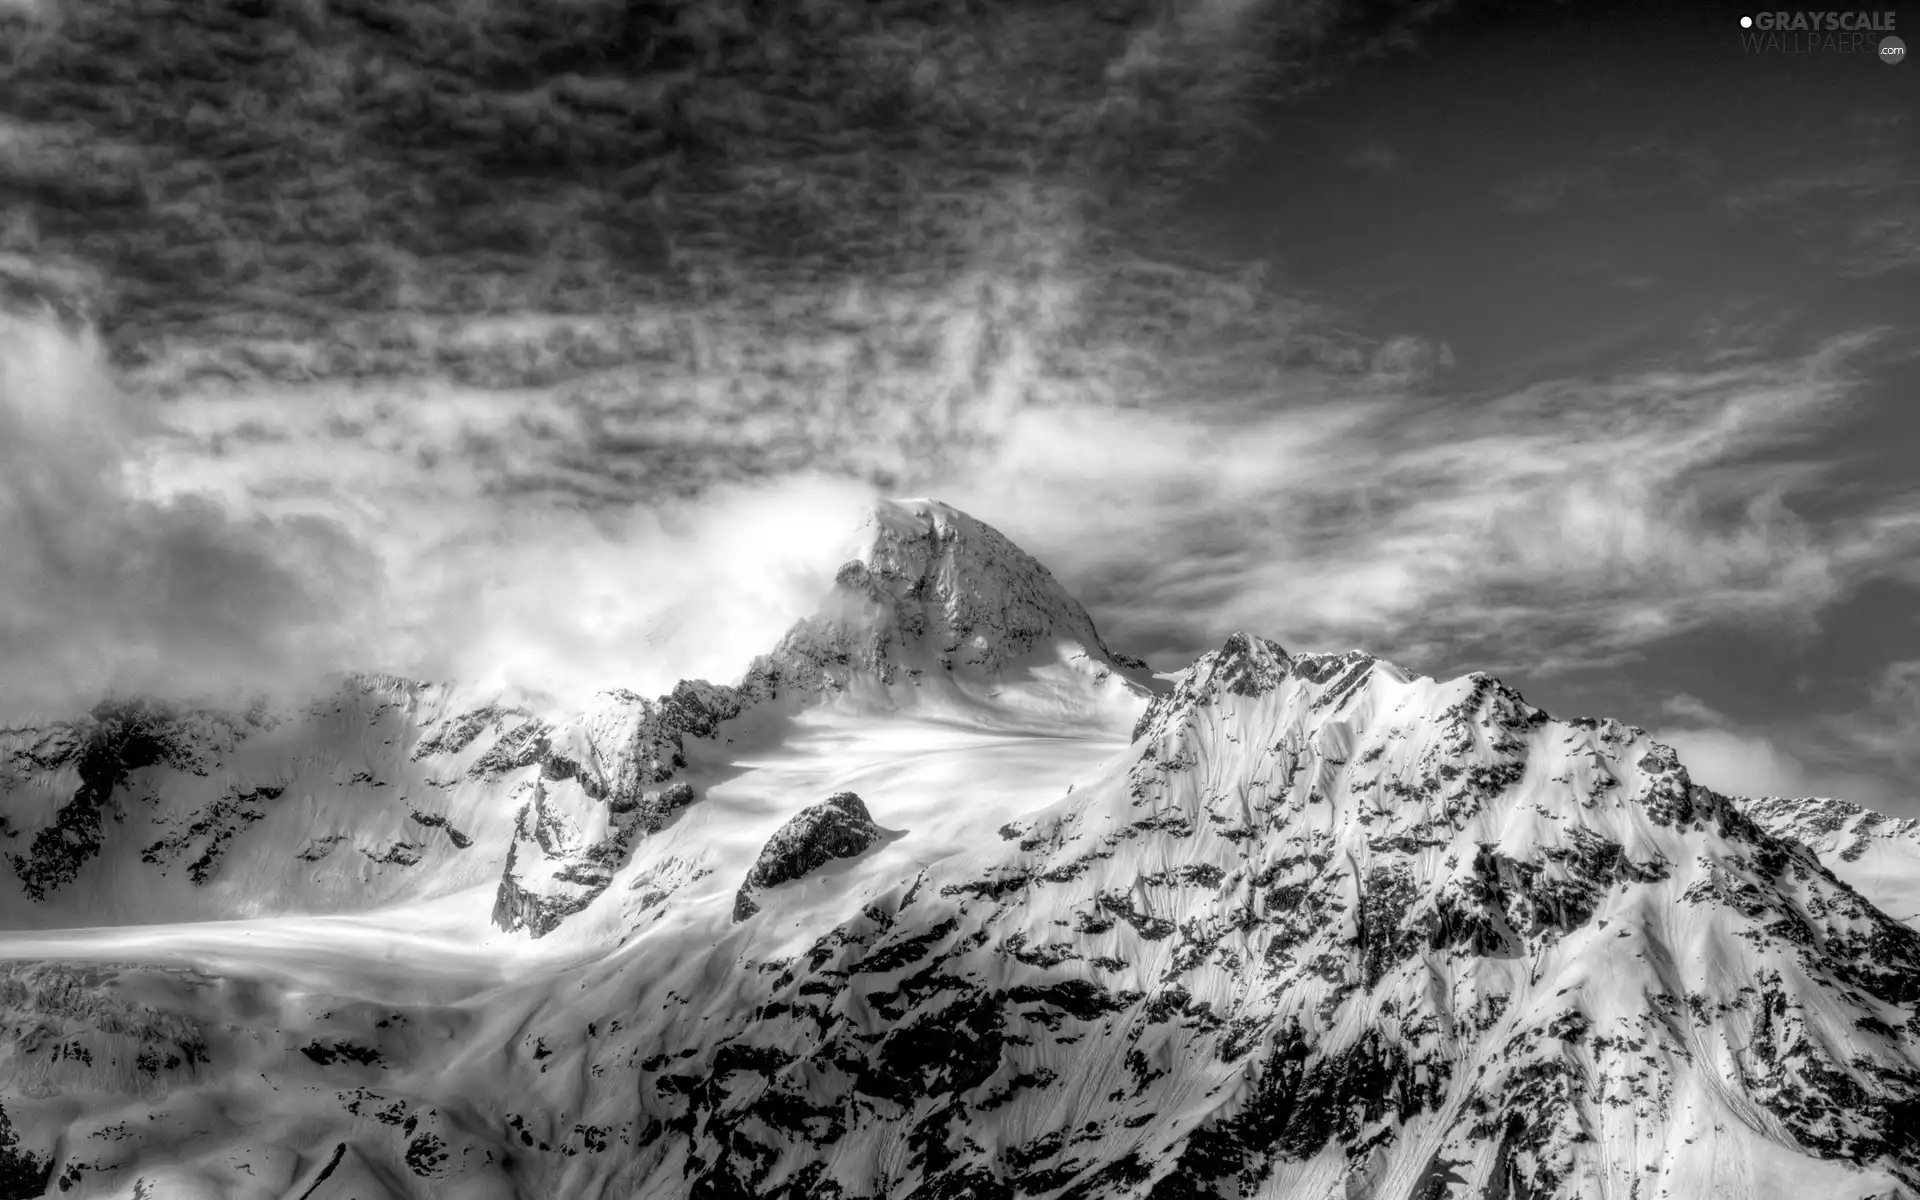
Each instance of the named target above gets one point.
<point>1605,189</point>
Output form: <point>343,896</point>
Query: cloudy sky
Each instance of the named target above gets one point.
<point>561,349</point>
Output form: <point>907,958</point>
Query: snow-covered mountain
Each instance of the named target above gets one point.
<point>391,790</point>
<point>942,899</point>
<point>1877,855</point>
<point>939,609</point>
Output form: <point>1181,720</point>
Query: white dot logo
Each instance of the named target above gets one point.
<point>1746,22</point>
<point>1892,50</point>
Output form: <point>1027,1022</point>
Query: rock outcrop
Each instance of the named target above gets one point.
<point>554,870</point>
<point>599,783</point>
<point>840,827</point>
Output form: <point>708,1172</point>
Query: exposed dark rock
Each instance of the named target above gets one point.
<point>23,1175</point>
<point>120,737</point>
<point>522,746</point>
<point>518,907</point>
<point>400,854</point>
<point>839,827</point>
<point>328,1053</point>
<point>212,827</point>
<point>458,733</point>
<point>439,821</point>
<point>427,1155</point>
<point>318,848</point>
<point>332,1164</point>
<point>1243,666</point>
<point>693,709</point>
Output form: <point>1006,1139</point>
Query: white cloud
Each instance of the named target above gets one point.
<point>567,603</point>
<point>1845,755</point>
<point>1694,711</point>
<point>104,586</point>
<point>1740,765</point>
<point>324,535</point>
<point>1568,524</point>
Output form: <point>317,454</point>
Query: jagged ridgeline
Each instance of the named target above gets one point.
<point>1294,925</point>
<point>387,789</point>
<point>1333,930</point>
<point>393,789</point>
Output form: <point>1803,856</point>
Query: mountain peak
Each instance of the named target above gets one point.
<point>963,586</point>
<point>1251,668</point>
<point>1245,665</point>
<point>932,591</point>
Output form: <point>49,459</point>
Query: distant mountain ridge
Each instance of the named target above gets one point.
<point>1874,853</point>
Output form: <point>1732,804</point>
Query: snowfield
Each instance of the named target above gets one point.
<point>1283,926</point>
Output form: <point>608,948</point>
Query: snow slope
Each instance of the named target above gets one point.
<point>1294,926</point>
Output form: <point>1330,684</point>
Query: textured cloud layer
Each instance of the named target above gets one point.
<point>137,562</point>
<point>549,351</point>
<point>1568,524</point>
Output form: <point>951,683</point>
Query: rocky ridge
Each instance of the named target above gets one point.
<point>1328,929</point>
<point>1875,854</point>
<point>932,589</point>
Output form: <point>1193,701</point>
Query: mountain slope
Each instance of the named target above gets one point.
<point>1326,930</point>
<point>1877,855</point>
<point>139,812</point>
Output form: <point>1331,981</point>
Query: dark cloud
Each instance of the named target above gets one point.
<point>275,185</point>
